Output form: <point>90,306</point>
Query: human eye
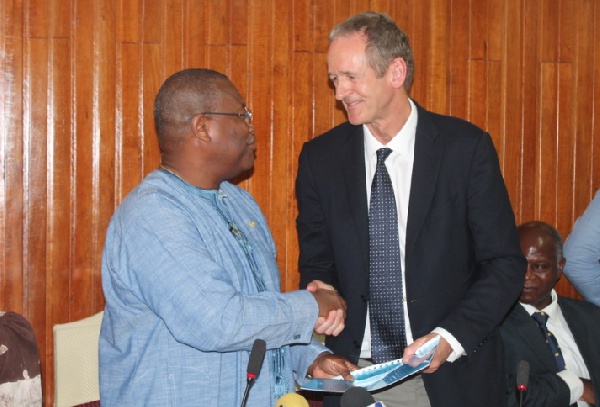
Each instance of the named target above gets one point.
<point>541,266</point>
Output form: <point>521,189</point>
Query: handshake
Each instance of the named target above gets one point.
<point>332,308</point>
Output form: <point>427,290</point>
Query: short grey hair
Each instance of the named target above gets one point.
<point>385,42</point>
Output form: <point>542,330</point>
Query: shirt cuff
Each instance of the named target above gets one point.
<point>457,349</point>
<point>304,316</point>
<point>575,384</point>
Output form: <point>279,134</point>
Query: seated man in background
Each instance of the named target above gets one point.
<point>20,377</point>
<point>189,271</point>
<point>582,248</point>
<point>559,337</point>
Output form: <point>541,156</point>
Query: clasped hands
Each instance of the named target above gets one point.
<point>331,321</point>
<point>332,308</point>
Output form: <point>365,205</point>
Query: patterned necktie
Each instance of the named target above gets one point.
<point>388,337</point>
<point>541,318</point>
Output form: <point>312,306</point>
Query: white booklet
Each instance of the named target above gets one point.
<point>377,376</point>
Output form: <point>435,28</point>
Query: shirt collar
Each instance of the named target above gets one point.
<point>402,142</point>
<point>551,309</point>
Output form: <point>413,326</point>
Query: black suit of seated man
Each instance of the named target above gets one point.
<point>574,323</point>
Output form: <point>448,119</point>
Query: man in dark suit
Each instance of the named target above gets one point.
<point>570,374</point>
<point>459,269</point>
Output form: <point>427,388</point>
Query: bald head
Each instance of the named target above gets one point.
<point>542,233</point>
<point>183,95</point>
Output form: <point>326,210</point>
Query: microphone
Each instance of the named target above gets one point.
<point>291,400</point>
<point>358,397</point>
<point>522,379</point>
<point>257,355</point>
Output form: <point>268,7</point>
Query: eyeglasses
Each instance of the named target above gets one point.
<point>247,115</point>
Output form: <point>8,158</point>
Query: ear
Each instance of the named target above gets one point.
<point>397,71</point>
<point>198,127</point>
<point>560,267</point>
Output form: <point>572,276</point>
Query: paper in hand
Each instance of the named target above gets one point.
<point>380,375</point>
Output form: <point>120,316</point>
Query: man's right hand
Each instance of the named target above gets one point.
<point>588,392</point>
<point>332,309</point>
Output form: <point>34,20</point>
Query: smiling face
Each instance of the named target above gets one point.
<point>381,103</point>
<point>366,98</point>
<point>543,268</point>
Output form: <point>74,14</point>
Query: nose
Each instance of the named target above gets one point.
<point>341,88</point>
<point>529,273</point>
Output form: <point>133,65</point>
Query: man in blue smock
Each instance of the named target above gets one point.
<point>189,271</point>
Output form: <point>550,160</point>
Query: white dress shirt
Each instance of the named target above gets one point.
<point>400,167</point>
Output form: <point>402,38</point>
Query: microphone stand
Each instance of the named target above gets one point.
<point>249,384</point>
<point>521,398</point>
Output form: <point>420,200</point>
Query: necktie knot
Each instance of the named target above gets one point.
<point>540,317</point>
<point>382,155</point>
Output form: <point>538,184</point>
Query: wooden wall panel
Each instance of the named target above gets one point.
<point>173,16</point>
<point>34,179</point>
<point>84,161</point>
<point>302,116</point>
<point>512,89</point>
<point>151,81</point>
<point>281,215</point>
<point>458,50</point>
<point>529,104</point>
<point>60,145</point>
<point>418,27</point>
<point>592,131</point>
<point>546,144</point>
<point>583,105</point>
<point>565,138</point>
<point>437,62</point>
<point>78,80</point>
<point>11,291</point>
<point>103,142</point>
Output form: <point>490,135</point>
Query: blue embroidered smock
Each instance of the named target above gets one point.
<point>182,304</point>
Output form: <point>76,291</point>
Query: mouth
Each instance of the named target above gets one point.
<point>352,104</point>
<point>528,289</point>
<point>250,141</point>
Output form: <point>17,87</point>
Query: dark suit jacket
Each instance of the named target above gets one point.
<point>523,341</point>
<point>464,267</point>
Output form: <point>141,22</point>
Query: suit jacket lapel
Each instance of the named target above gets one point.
<point>353,167</point>
<point>427,159</point>
<point>583,337</point>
